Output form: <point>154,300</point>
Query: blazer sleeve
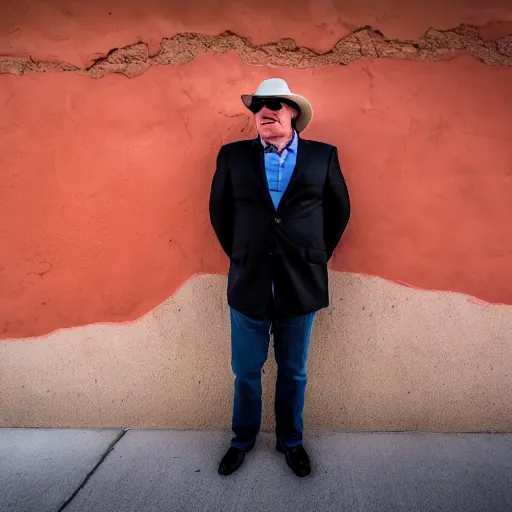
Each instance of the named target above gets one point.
<point>222,204</point>
<point>336,204</point>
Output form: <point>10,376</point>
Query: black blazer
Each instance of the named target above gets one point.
<point>289,246</point>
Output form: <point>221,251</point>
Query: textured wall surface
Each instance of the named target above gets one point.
<point>112,115</point>
<point>78,32</point>
<point>383,357</point>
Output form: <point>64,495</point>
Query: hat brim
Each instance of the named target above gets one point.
<point>306,110</point>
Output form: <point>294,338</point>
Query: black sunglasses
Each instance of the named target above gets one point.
<point>271,103</point>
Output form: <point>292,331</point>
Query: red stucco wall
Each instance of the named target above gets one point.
<point>104,182</point>
<point>77,31</point>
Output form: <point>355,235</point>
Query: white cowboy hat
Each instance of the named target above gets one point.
<point>278,88</point>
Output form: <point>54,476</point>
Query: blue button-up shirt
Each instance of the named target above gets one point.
<point>279,168</point>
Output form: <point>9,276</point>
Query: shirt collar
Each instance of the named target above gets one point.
<point>290,146</point>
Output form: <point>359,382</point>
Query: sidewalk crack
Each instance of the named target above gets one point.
<point>93,470</point>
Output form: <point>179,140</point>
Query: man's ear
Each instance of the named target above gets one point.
<point>295,112</point>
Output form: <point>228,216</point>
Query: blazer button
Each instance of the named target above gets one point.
<point>278,220</point>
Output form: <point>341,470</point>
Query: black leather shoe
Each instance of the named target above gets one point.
<point>296,458</point>
<point>233,459</point>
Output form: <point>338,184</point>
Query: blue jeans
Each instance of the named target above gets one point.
<point>250,340</point>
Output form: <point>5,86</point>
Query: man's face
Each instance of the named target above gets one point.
<point>272,124</point>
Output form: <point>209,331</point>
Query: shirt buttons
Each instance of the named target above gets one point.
<point>278,220</point>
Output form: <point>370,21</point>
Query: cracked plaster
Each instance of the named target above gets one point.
<point>135,59</point>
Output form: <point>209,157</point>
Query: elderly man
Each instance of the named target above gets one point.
<point>278,205</point>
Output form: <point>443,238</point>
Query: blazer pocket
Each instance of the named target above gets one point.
<point>304,203</point>
<point>238,256</point>
<point>316,256</point>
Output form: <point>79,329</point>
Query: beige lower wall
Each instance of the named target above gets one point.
<point>383,357</point>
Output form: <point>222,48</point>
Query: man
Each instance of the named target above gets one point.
<point>278,205</point>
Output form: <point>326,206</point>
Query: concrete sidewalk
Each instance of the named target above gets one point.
<point>45,470</point>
